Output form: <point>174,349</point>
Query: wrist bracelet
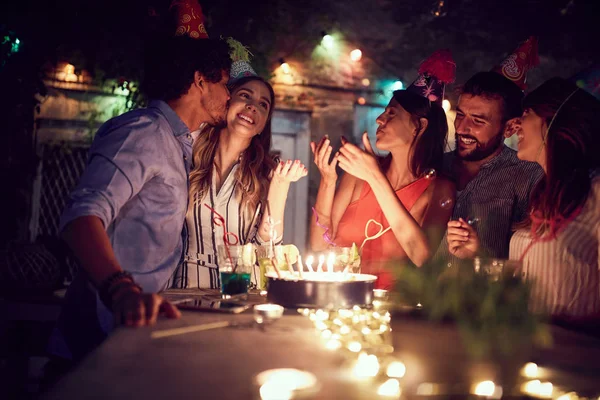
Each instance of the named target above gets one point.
<point>104,289</point>
<point>122,288</point>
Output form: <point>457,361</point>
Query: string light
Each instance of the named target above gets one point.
<point>285,67</point>
<point>396,369</point>
<point>390,388</point>
<point>530,370</point>
<point>361,101</point>
<point>365,82</point>
<point>327,40</point>
<point>398,85</point>
<point>488,389</point>
<point>355,55</point>
<point>439,10</point>
<point>359,332</point>
<point>446,105</point>
<point>67,73</point>
<point>567,9</point>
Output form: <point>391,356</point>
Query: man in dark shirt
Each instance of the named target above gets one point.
<point>493,185</point>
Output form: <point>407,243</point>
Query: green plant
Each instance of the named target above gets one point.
<point>492,315</point>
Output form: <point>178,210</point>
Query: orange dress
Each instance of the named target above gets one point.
<point>376,252</point>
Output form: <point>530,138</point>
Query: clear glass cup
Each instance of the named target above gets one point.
<point>344,259</point>
<point>264,254</point>
<point>496,268</point>
<point>235,268</point>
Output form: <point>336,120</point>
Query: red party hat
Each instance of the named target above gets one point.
<point>189,19</point>
<point>434,73</point>
<point>519,62</point>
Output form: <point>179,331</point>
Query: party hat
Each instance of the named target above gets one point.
<point>189,19</point>
<point>589,80</point>
<point>519,62</point>
<point>240,56</point>
<point>434,73</point>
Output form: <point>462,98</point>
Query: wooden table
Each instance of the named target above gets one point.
<point>222,363</point>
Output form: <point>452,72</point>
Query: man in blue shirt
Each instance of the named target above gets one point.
<point>124,220</point>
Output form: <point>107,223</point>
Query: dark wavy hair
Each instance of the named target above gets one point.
<point>256,164</point>
<point>170,65</point>
<point>427,149</point>
<point>492,85</point>
<point>572,146</point>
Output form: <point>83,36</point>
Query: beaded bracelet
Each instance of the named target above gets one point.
<point>107,288</point>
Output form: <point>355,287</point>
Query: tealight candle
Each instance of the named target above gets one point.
<point>267,312</point>
<point>284,383</point>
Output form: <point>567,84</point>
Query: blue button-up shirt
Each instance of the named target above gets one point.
<point>136,182</point>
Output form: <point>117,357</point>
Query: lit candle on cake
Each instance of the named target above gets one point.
<point>309,261</point>
<point>321,262</point>
<point>330,262</point>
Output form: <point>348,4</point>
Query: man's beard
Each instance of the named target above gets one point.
<point>219,117</point>
<point>217,114</point>
<point>480,152</point>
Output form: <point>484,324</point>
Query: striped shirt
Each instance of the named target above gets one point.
<point>200,266</point>
<point>564,271</point>
<point>495,199</point>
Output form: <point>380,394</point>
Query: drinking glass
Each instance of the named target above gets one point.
<point>344,258</point>
<point>235,268</point>
<point>265,253</point>
<point>496,268</point>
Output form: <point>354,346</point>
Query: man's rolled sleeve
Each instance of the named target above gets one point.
<point>123,157</point>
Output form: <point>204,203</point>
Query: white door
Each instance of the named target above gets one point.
<point>291,138</point>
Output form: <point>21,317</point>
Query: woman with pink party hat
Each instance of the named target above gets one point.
<point>238,189</point>
<point>394,207</point>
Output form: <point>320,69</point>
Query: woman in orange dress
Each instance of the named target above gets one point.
<point>394,207</point>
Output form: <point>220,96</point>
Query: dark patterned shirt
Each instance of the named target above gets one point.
<point>496,199</point>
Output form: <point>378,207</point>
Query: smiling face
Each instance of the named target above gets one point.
<point>396,127</point>
<point>249,108</point>
<point>531,143</point>
<point>479,127</point>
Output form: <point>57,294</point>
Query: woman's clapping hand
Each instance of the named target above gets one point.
<point>360,163</point>
<point>289,171</point>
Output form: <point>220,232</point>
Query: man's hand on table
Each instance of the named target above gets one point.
<point>133,308</point>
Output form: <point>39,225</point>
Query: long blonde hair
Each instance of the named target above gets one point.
<point>256,162</point>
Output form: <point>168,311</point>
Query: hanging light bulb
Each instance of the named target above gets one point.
<point>327,40</point>
<point>446,105</point>
<point>361,101</point>
<point>366,82</point>
<point>285,67</point>
<point>398,85</point>
<point>439,9</point>
<point>355,55</point>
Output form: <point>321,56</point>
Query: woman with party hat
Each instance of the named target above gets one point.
<point>238,189</point>
<point>394,207</point>
<point>558,241</point>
